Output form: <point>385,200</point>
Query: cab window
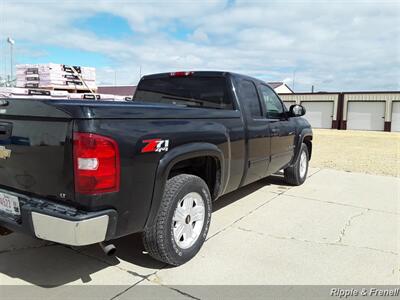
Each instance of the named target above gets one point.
<point>190,91</point>
<point>248,94</point>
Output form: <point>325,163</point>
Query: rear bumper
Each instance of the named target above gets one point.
<point>76,233</point>
<point>60,223</point>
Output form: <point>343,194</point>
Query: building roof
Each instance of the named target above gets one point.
<point>276,84</point>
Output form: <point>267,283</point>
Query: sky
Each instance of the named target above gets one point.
<point>335,45</point>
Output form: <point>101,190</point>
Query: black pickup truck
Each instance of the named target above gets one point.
<point>81,172</point>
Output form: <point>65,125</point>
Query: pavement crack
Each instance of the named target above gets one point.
<point>28,248</point>
<point>348,224</point>
<point>127,289</point>
<point>172,288</point>
<point>111,265</point>
<point>242,217</point>
<point>343,204</point>
<point>137,274</point>
<point>290,238</point>
<point>258,207</point>
<point>181,292</point>
<point>249,230</point>
<point>157,284</point>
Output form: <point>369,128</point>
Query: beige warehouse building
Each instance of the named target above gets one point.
<point>379,111</point>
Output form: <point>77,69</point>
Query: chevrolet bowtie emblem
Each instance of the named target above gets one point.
<point>4,153</point>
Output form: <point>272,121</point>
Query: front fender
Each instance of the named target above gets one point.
<point>174,156</point>
<point>305,132</point>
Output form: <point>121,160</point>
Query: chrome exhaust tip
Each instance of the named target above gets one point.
<point>109,249</point>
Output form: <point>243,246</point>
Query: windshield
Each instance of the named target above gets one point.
<point>204,92</point>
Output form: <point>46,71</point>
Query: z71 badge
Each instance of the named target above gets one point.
<point>155,145</point>
<point>4,153</point>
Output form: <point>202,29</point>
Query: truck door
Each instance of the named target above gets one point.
<point>281,129</point>
<point>258,141</point>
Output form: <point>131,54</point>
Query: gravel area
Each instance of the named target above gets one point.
<point>369,152</point>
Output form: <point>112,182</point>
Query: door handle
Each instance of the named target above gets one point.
<point>5,130</point>
<point>3,102</point>
<point>274,131</point>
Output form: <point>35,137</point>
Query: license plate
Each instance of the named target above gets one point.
<point>9,204</point>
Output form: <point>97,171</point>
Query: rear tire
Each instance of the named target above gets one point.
<point>297,173</point>
<point>181,225</point>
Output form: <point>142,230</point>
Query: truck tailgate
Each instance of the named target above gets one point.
<point>35,149</point>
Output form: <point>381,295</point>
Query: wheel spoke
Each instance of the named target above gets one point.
<point>188,232</point>
<point>179,215</point>
<point>187,204</point>
<point>197,213</point>
<point>179,230</point>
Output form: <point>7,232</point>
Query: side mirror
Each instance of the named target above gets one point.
<point>297,110</point>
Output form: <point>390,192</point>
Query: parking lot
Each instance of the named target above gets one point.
<point>339,228</point>
<point>371,152</point>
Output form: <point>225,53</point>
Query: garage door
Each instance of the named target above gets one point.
<point>289,103</point>
<point>366,115</point>
<point>319,114</point>
<point>396,116</point>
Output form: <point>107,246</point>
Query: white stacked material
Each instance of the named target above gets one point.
<point>56,76</point>
<point>24,93</point>
<point>19,93</point>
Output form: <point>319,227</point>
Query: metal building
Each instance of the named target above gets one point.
<point>322,108</point>
<point>378,111</point>
<point>371,111</point>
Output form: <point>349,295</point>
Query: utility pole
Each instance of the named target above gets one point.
<point>11,42</point>
<point>4,52</point>
<point>294,78</point>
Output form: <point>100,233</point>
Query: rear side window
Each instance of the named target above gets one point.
<point>202,92</point>
<point>248,96</point>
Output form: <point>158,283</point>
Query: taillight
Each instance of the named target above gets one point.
<point>180,74</point>
<point>96,164</point>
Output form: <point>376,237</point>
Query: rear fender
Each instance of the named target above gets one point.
<point>174,156</point>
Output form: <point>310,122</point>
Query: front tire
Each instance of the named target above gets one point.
<point>297,173</point>
<point>181,225</point>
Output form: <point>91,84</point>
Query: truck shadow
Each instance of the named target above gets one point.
<point>232,197</point>
<point>130,248</point>
<point>51,265</point>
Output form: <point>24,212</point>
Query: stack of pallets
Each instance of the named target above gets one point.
<point>43,94</point>
<point>24,93</point>
<point>56,77</point>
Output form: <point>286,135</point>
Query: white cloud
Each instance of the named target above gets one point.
<point>199,36</point>
<point>334,45</point>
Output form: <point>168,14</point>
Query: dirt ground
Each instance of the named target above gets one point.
<point>369,152</point>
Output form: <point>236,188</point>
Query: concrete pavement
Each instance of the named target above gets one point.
<point>337,228</point>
